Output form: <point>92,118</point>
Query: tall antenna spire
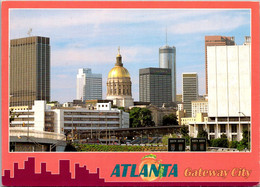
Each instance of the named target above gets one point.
<point>29,32</point>
<point>166,34</point>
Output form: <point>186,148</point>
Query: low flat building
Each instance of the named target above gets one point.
<point>33,129</point>
<point>199,118</point>
<point>180,114</point>
<point>92,104</point>
<point>81,120</point>
<point>233,130</point>
<point>42,118</point>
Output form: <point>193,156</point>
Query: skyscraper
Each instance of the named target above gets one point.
<point>189,91</point>
<point>229,94</point>
<point>229,80</point>
<point>89,86</point>
<point>29,70</point>
<point>155,86</point>
<point>215,41</point>
<point>167,59</point>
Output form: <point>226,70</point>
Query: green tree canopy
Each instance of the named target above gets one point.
<point>140,117</point>
<point>185,134</point>
<point>245,142</point>
<point>121,108</point>
<point>170,119</point>
<point>202,134</point>
<point>219,142</point>
<point>184,130</point>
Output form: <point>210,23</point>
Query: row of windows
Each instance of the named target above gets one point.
<point>222,128</point>
<point>91,125</point>
<point>92,113</point>
<point>90,119</point>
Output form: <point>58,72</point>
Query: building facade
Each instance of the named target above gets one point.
<point>215,41</point>
<point>167,59</point>
<point>155,86</point>
<point>41,118</point>
<point>159,112</point>
<point>199,106</point>
<point>89,85</point>
<point>179,98</point>
<point>29,70</point>
<point>180,106</point>
<point>189,91</point>
<point>119,85</point>
<point>229,94</point>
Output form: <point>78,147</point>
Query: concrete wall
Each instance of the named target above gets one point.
<point>39,115</point>
<point>229,80</point>
<point>58,121</point>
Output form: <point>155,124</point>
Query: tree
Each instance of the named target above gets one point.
<point>202,134</point>
<point>12,115</point>
<point>121,108</point>
<point>145,117</point>
<point>166,137</point>
<point>184,130</point>
<point>185,134</point>
<point>223,136</point>
<point>170,119</point>
<point>245,142</point>
<point>134,117</point>
<point>69,148</point>
<point>233,144</point>
<point>140,117</point>
<point>219,142</point>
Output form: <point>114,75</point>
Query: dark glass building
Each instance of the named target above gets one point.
<point>155,86</point>
<point>29,70</point>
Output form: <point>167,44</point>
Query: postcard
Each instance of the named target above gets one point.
<point>130,93</point>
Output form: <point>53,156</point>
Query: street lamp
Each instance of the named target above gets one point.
<point>28,125</point>
<point>248,138</point>
<point>72,128</point>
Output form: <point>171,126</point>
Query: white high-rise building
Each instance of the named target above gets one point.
<point>89,86</point>
<point>229,91</point>
<point>167,59</point>
<point>229,80</point>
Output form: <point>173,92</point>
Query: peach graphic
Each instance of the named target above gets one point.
<point>150,160</point>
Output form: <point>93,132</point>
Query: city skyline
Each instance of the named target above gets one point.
<point>89,39</point>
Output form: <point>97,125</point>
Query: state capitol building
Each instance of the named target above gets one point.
<point>119,85</point>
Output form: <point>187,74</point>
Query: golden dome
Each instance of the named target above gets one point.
<point>118,72</point>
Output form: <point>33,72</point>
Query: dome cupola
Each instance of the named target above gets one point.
<point>118,71</point>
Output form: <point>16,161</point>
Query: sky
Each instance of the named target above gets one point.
<point>89,38</point>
